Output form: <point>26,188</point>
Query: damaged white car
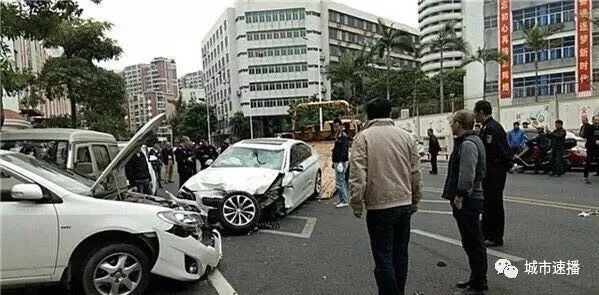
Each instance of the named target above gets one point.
<point>58,226</point>
<point>253,179</point>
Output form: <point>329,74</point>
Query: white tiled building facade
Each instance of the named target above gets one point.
<point>268,53</point>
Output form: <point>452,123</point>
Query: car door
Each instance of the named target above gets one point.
<point>310,165</point>
<point>297,186</point>
<point>29,233</point>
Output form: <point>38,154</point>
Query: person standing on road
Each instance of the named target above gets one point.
<point>558,140</point>
<point>185,160</point>
<point>464,189</point>
<point>225,145</point>
<point>385,179</point>
<point>543,144</point>
<point>591,134</point>
<point>154,156</point>
<point>138,173</point>
<point>433,149</point>
<point>340,158</point>
<point>168,158</point>
<point>203,154</point>
<point>516,138</point>
<point>498,164</point>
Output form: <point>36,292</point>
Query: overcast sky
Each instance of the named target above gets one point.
<point>175,28</point>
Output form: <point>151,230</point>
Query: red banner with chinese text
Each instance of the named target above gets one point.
<point>583,40</point>
<point>504,24</point>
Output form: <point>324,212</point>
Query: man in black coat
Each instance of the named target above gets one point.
<point>138,173</point>
<point>433,149</point>
<point>498,164</point>
<point>340,159</point>
<point>591,134</point>
<point>558,140</point>
<point>186,160</point>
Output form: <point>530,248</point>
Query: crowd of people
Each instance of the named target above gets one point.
<point>386,182</point>
<point>185,155</point>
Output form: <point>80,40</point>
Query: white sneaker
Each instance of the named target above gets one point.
<point>341,205</point>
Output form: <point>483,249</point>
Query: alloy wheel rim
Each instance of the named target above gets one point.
<point>117,274</point>
<point>239,210</point>
<point>318,182</point>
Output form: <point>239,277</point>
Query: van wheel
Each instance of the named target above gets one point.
<point>120,269</point>
<point>239,212</point>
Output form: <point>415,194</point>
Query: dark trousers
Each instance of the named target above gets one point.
<point>158,171</point>
<point>434,162</point>
<point>184,175</point>
<point>143,186</point>
<point>389,231</point>
<point>493,221</point>
<point>472,240</point>
<point>592,155</point>
<point>557,160</point>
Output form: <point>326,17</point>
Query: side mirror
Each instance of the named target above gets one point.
<point>84,168</point>
<point>298,168</point>
<point>26,192</point>
<point>209,162</point>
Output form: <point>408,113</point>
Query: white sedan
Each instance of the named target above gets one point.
<point>58,226</point>
<point>253,176</point>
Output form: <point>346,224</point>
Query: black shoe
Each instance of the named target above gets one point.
<point>466,284</point>
<point>491,244</point>
<point>433,172</point>
<point>470,291</point>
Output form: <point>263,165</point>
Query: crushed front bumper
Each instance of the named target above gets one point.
<point>176,254</point>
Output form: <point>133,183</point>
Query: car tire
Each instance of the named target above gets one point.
<point>239,212</point>
<point>100,270</point>
<point>317,185</point>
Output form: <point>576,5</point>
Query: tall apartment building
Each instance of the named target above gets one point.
<point>261,56</point>
<point>568,67</point>
<point>29,55</point>
<point>151,89</point>
<point>193,80</point>
<point>432,17</point>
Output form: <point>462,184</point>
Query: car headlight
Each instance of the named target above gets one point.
<point>181,218</point>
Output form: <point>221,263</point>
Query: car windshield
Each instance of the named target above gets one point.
<point>250,157</point>
<point>51,151</point>
<point>62,177</point>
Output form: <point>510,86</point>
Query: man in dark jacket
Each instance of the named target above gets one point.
<point>464,189</point>
<point>186,161</point>
<point>203,154</point>
<point>168,158</point>
<point>433,149</point>
<point>591,134</point>
<point>498,164</point>
<point>558,140</point>
<point>138,173</point>
<point>340,158</point>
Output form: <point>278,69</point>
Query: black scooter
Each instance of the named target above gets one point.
<point>534,151</point>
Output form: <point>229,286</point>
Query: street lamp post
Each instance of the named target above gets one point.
<point>319,82</point>
<point>208,120</point>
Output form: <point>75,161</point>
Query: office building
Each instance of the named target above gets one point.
<point>262,56</point>
<point>568,66</point>
<point>193,80</point>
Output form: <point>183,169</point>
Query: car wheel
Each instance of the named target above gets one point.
<point>239,212</point>
<point>120,269</point>
<point>317,185</point>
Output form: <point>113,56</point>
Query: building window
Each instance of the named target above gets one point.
<point>548,85</point>
<point>543,15</point>
<point>491,21</point>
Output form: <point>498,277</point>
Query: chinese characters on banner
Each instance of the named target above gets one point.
<point>505,47</point>
<point>583,37</point>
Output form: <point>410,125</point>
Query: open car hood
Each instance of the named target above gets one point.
<point>127,152</point>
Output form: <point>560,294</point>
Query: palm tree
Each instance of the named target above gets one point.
<point>446,40</point>
<point>390,39</point>
<point>484,57</point>
<point>349,71</point>
<point>536,39</point>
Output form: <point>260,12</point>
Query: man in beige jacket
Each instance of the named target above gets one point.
<point>385,179</point>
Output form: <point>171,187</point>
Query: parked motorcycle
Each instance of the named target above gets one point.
<point>536,151</point>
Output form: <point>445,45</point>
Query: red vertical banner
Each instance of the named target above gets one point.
<point>583,40</point>
<point>504,25</point>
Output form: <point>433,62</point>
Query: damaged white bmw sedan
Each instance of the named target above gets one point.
<point>58,226</point>
<point>253,179</point>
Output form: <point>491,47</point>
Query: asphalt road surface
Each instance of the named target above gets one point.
<point>323,250</point>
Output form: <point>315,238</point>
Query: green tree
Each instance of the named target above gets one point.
<point>347,75</point>
<point>105,98</point>
<point>32,20</point>
<point>446,40</point>
<point>536,39</point>
<point>194,121</point>
<point>176,120</point>
<point>390,39</point>
<point>240,126</point>
<point>484,57</point>
<point>83,42</point>
<point>63,121</point>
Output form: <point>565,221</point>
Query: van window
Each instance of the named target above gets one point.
<point>101,155</point>
<point>52,151</point>
<point>83,155</point>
